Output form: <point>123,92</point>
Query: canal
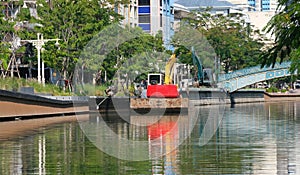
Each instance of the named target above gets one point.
<point>261,138</point>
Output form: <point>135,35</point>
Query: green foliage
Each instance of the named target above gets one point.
<point>283,90</point>
<point>4,54</point>
<point>125,54</point>
<point>295,58</point>
<point>185,55</point>
<point>135,54</point>
<point>75,23</point>
<point>231,40</point>
<point>285,27</point>
<point>272,89</point>
<point>187,38</point>
<point>92,90</point>
<point>13,84</point>
<point>6,29</point>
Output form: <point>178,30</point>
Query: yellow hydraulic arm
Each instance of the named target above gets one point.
<point>169,69</point>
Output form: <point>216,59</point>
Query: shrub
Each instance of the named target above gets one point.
<point>272,89</point>
<point>283,90</point>
<point>13,84</point>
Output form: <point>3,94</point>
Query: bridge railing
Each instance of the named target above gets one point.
<point>252,70</point>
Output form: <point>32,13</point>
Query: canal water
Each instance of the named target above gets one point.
<point>261,138</point>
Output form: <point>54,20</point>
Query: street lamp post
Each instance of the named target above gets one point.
<point>38,43</point>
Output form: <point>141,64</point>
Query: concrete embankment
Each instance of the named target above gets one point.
<point>15,104</point>
<point>209,96</point>
<point>295,96</point>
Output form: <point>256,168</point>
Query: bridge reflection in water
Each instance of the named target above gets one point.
<point>250,139</point>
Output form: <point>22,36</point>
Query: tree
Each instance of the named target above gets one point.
<point>124,53</point>
<point>231,40</point>
<point>75,23</point>
<point>6,31</point>
<point>285,26</point>
<point>136,50</point>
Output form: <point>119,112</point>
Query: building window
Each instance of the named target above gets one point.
<point>172,10</point>
<point>144,2</point>
<point>144,18</point>
<point>145,27</point>
<point>145,10</point>
<point>172,25</point>
<point>160,20</point>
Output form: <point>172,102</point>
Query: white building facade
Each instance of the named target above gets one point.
<point>152,16</point>
<point>263,5</point>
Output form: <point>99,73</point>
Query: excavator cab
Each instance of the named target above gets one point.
<point>207,77</point>
<point>155,79</point>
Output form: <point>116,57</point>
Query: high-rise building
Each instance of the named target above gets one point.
<point>214,7</point>
<point>152,16</point>
<point>260,12</point>
<point>129,12</point>
<point>155,16</point>
<point>243,5</point>
<point>263,5</point>
<point>256,5</point>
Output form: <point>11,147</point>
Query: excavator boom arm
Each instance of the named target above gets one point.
<point>197,62</point>
<point>169,69</point>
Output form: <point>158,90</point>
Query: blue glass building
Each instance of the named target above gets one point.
<point>251,3</point>
<point>167,19</point>
<point>263,5</point>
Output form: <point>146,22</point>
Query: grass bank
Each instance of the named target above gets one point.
<point>14,84</point>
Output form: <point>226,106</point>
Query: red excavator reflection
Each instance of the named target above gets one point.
<point>163,140</point>
<point>160,129</point>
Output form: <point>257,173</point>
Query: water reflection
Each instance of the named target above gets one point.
<point>163,139</point>
<point>254,138</point>
<point>137,139</point>
<point>251,139</point>
<point>42,154</point>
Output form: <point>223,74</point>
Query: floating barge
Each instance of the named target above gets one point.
<point>160,103</point>
<point>170,105</point>
<point>141,105</point>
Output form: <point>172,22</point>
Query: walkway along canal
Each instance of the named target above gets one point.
<point>16,105</point>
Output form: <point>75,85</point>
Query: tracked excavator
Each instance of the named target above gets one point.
<point>204,75</point>
<point>158,88</point>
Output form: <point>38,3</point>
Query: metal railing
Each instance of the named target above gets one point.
<point>252,70</point>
